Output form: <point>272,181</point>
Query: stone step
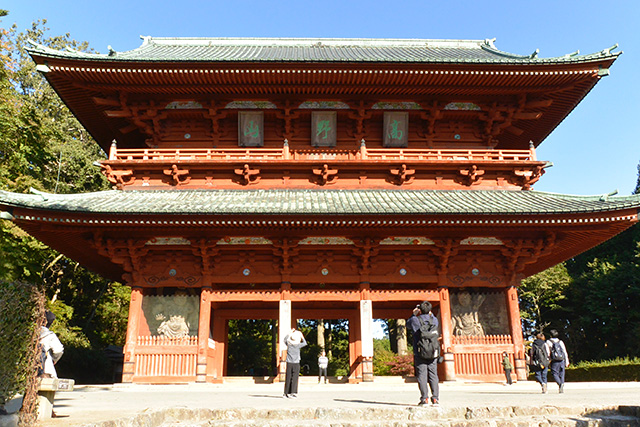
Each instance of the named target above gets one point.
<point>546,416</point>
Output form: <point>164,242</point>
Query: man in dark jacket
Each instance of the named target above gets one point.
<point>426,370</point>
<point>539,357</point>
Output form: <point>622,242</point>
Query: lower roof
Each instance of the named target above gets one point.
<point>318,202</point>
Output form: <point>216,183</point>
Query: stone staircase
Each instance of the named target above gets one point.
<point>506,416</point>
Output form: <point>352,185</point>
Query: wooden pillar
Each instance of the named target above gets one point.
<point>366,334</point>
<point>203,334</point>
<point>135,312</point>
<point>513,308</point>
<point>220,340</point>
<point>447,334</point>
<point>355,350</point>
<point>284,328</point>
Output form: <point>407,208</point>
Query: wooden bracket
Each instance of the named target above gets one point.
<point>471,175</point>
<point>325,175</point>
<point>402,175</point>
<point>178,176</point>
<point>248,176</point>
<point>120,178</point>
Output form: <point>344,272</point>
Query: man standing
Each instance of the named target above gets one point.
<point>294,342</point>
<point>507,366</point>
<point>559,358</point>
<point>426,368</point>
<point>323,363</point>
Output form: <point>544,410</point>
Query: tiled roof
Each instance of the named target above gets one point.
<point>319,50</point>
<point>320,202</point>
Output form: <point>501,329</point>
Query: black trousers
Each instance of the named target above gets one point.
<point>291,378</point>
<point>427,374</point>
<point>322,373</point>
<point>507,374</point>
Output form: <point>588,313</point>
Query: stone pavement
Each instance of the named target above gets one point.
<point>375,403</point>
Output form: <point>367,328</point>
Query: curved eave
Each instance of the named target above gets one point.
<point>77,82</point>
<point>68,222</point>
<point>409,51</point>
<point>280,203</point>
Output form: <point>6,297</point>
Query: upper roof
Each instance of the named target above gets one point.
<point>320,202</point>
<point>163,70</point>
<point>183,49</point>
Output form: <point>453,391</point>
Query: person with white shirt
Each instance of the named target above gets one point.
<point>559,358</point>
<point>52,348</point>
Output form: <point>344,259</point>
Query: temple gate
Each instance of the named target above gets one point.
<point>285,179</point>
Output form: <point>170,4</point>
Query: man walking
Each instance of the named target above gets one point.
<point>559,358</point>
<point>539,356</point>
<point>425,364</point>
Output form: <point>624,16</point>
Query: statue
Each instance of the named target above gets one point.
<point>464,317</point>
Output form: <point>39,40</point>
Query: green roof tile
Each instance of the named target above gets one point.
<point>319,202</point>
<point>319,50</point>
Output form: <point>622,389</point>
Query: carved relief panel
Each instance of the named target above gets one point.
<point>174,316</point>
<point>478,313</point>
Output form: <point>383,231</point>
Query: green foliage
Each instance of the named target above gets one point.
<point>541,298</point>
<point>619,369</point>
<point>43,146</point>
<point>21,309</point>
<point>250,347</point>
<point>382,357</point>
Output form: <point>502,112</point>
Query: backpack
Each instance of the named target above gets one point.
<point>42,357</point>
<point>427,345</point>
<point>557,355</point>
<point>539,356</point>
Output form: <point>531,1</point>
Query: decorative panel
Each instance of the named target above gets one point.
<point>479,313</point>
<point>396,125</point>
<point>174,316</point>
<point>250,128</point>
<point>323,128</point>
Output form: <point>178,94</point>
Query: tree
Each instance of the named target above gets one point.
<point>43,146</point>
<point>541,299</point>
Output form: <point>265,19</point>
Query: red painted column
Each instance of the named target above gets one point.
<point>516,332</point>
<point>355,350</point>
<point>203,334</point>
<point>447,334</point>
<point>220,340</point>
<point>135,312</point>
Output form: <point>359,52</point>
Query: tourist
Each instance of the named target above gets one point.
<point>558,358</point>
<point>506,364</point>
<point>51,347</point>
<point>323,363</point>
<point>426,369</point>
<point>539,354</point>
<point>294,342</point>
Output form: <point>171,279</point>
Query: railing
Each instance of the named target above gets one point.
<point>285,153</point>
<point>169,358</point>
<point>482,340</point>
<point>166,341</point>
<point>479,364</point>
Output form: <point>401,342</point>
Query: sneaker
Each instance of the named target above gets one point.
<point>435,402</point>
<point>422,403</point>
<point>285,396</point>
<point>293,396</point>
<point>561,388</point>
<point>544,388</point>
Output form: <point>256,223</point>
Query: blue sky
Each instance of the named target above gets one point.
<point>594,151</point>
